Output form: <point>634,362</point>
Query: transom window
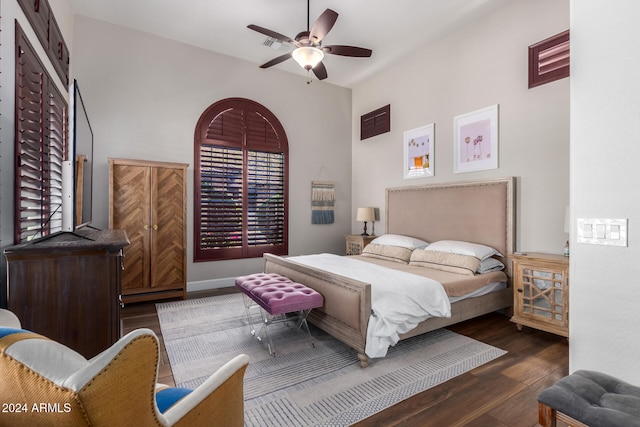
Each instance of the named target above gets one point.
<point>241,182</point>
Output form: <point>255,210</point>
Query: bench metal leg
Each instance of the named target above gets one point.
<point>302,321</point>
<point>267,319</point>
<point>250,305</point>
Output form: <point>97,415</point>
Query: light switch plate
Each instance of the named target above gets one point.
<point>602,231</point>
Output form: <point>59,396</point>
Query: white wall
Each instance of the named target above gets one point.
<point>481,64</point>
<point>144,95</point>
<point>605,148</point>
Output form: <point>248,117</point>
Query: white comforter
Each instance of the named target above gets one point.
<point>399,300</point>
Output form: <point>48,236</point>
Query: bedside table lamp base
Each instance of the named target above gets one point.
<point>364,233</point>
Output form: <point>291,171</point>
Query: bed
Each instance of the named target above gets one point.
<point>473,211</point>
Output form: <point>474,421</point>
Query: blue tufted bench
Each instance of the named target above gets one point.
<point>588,398</point>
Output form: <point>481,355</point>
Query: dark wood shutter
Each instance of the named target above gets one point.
<point>40,146</point>
<point>226,126</point>
<point>221,199</point>
<point>376,122</point>
<point>240,182</point>
<point>265,201</point>
<point>55,143</point>
<point>549,60</point>
<point>44,24</point>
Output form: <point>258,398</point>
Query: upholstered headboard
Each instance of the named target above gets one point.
<point>473,211</point>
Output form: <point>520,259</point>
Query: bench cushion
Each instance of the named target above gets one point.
<point>248,283</point>
<point>595,399</point>
<point>278,294</point>
<point>279,298</point>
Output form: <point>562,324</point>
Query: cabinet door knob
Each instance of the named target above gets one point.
<point>520,290</point>
<point>155,226</point>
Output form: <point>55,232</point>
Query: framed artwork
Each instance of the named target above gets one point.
<point>418,152</point>
<point>475,140</point>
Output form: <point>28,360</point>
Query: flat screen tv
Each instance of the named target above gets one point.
<point>82,141</point>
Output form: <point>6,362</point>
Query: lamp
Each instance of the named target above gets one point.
<point>307,56</point>
<point>366,215</point>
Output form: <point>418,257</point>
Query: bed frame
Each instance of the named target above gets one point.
<point>474,211</point>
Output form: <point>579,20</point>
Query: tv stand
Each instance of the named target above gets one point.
<point>67,287</point>
<point>86,231</point>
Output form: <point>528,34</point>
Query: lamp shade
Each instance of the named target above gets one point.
<point>366,214</point>
<point>307,56</point>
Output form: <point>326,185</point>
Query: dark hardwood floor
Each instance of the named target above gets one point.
<point>500,393</point>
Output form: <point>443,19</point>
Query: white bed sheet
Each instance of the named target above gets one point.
<point>393,312</point>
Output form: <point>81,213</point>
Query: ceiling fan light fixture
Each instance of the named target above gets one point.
<point>307,56</point>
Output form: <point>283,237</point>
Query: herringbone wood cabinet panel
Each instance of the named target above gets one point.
<point>131,211</point>
<point>148,200</point>
<point>167,245</point>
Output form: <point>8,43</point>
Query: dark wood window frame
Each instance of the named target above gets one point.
<point>40,146</point>
<point>240,183</point>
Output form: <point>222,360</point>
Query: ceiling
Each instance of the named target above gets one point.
<point>221,26</point>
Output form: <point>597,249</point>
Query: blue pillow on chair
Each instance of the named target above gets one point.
<point>166,398</point>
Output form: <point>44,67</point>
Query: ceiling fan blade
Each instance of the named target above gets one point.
<point>323,25</point>
<point>360,52</point>
<point>277,60</point>
<point>320,71</point>
<point>273,34</point>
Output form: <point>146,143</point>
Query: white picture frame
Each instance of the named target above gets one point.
<point>475,140</point>
<point>418,152</point>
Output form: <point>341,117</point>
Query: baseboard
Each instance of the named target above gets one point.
<point>204,285</point>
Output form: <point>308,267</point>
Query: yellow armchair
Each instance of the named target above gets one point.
<point>44,383</point>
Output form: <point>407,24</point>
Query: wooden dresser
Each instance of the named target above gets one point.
<point>67,286</point>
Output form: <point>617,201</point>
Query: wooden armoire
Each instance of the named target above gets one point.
<point>148,200</point>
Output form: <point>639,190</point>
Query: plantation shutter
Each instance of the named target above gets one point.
<point>241,182</point>
<point>221,197</point>
<point>40,147</point>
<point>266,215</point>
<point>55,146</point>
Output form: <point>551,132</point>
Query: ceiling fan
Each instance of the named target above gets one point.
<point>309,51</point>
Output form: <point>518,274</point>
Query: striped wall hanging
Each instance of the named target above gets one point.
<point>323,197</point>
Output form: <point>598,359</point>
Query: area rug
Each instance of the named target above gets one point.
<point>303,385</point>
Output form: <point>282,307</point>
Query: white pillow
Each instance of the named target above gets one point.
<point>399,240</point>
<point>490,264</point>
<point>464,248</point>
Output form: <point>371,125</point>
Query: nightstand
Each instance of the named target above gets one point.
<point>356,243</point>
<point>541,292</point>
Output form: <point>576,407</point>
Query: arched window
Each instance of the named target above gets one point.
<point>241,182</point>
